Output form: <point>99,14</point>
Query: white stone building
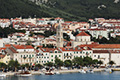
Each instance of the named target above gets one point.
<point>22,53</point>
<point>81,38</point>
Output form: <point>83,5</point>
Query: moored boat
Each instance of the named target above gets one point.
<point>108,70</point>
<point>82,71</point>
<point>49,73</point>
<point>90,71</point>
<point>2,75</point>
<point>23,73</point>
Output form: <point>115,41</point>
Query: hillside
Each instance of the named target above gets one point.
<point>78,10</point>
<point>89,8</point>
<point>25,8</point>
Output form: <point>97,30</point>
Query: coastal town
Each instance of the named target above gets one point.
<point>42,40</point>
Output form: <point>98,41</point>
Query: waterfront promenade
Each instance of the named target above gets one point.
<point>62,71</point>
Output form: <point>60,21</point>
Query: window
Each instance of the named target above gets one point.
<point>32,55</point>
<point>55,55</point>
<point>59,55</point>
<point>21,56</point>
<point>55,51</point>
<point>46,53</point>
<point>98,56</point>
<point>94,55</point>
<point>67,54</point>
<point>51,55</point>
<point>51,59</point>
<point>45,57</point>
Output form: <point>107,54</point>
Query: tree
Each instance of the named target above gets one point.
<point>87,60</point>
<point>38,65</point>
<point>111,63</point>
<point>95,61</point>
<point>67,63</point>
<point>66,36</point>
<point>50,64</point>
<point>13,64</point>
<point>27,65</point>
<point>58,62</point>
<point>100,62</point>
<point>78,61</point>
<point>3,66</point>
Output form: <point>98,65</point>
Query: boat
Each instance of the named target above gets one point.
<point>90,71</point>
<point>57,72</point>
<point>2,75</point>
<point>49,73</point>
<point>42,73</point>
<point>82,71</point>
<point>108,70</point>
<point>23,73</point>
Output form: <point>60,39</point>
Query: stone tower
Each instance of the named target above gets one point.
<point>59,36</point>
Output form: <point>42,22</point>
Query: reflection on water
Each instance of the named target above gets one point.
<point>73,76</point>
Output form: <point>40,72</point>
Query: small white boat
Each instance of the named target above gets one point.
<point>108,70</point>
<point>25,73</point>
<point>90,71</point>
<point>57,72</point>
<point>82,71</point>
<point>42,73</point>
<point>2,75</point>
<point>49,73</point>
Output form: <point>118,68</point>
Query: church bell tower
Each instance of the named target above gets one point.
<point>59,35</point>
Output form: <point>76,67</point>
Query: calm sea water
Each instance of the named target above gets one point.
<point>72,76</point>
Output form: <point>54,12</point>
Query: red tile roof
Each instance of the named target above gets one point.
<point>7,45</point>
<point>100,51</point>
<point>82,34</point>
<point>49,49</point>
<point>23,46</point>
<point>13,50</point>
<point>108,46</point>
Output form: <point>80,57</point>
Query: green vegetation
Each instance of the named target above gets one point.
<point>111,63</point>
<point>50,64</point>
<point>47,33</point>
<point>25,8</point>
<point>4,32</point>
<point>105,41</point>
<point>84,61</point>
<point>58,62</point>
<point>76,10</point>
<point>89,8</point>
<point>68,63</point>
